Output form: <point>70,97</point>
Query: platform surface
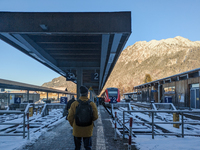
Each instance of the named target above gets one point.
<point>61,138</point>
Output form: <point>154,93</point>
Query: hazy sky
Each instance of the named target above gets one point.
<point>151,19</point>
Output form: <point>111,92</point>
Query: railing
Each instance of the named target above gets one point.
<point>45,110</point>
<point>23,122</point>
<point>169,106</point>
<point>113,105</point>
<point>25,113</point>
<point>182,123</point>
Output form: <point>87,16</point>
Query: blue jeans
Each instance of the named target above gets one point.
<point>86,140</point>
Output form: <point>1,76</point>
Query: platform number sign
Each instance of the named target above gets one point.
<point>17,100</point>
<point>70,76</point>
<point>63,100</point>
<point>95,76</point>
<point>113,100</point>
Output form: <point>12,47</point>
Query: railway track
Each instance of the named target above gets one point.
<point>145,127</point>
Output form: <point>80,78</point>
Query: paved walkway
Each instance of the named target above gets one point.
<point>61,138</point>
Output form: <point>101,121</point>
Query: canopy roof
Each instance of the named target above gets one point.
<point>83,47</point>
<point>23,86</point>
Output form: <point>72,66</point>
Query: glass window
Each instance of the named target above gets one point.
<point>195,85</point>
<point>170,89</point>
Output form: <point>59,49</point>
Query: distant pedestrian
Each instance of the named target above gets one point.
<point>97,102</point>
<point>82,113</point>
<point>67,107</point>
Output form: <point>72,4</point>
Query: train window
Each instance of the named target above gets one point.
<point>112,93</point>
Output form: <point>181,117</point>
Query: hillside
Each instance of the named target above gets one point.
<point>60,83</point>
<point>158,58</point>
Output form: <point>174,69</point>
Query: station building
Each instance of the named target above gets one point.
<point>7,97</point>
<point>181,89</point>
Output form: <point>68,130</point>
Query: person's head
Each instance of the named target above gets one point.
<point>73,97</point>
<point>83,91</point>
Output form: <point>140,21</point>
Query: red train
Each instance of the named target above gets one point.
<point>111,95</point>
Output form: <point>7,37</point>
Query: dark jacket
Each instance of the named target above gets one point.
<point>69,103</point>
<point>67,107</point>
<point>77,130</point>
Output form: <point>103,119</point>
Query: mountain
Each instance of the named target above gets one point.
<point>60,83</point>
<point>158,58</point>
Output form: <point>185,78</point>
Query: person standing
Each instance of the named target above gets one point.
<point>84,131</point>
<point>67,107</point>
<point>97,102</point>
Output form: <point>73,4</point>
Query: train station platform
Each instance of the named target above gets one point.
<point>61,138</point>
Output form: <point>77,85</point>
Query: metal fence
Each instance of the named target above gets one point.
<point>26,107</point>
<point>45,110</point>
<point>18,123</point>
<point>152,112</point>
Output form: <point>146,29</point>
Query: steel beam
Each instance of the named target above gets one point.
<point>63,22</point>
<point>104,49</point>
<point>79,73</point>
<point>77,64</point>
<point>115,44</point>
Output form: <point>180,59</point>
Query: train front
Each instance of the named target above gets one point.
<point>112,95</point>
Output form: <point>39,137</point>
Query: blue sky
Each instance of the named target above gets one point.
<point>151,20</point>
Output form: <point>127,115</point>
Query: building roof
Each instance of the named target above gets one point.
<point>23,86</point>
<point>177,77</point>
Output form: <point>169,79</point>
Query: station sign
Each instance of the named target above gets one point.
<point>63,100</point>
<point>71,77</point>
<point>95,76</point>
<point>17,100</point>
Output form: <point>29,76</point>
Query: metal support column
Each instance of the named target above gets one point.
<point>182,125</point>
<point>123,125</point>
<point>8,99</point>
<point>79,80</point>
<point>27,96</point>
<point>47,96</point>
<point>24,124</point>
<point>152,125</point>
<point>159,93</point>
<point>148,95</point>
<point>58,96</point>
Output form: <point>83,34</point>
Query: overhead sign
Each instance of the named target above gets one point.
<point>95,76</point>
<point>71,77</point>
<point>63,100</point>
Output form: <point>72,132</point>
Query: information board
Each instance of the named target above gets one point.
<point>113,100</point>
<point>17,100</point>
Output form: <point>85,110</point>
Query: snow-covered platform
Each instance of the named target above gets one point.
<point>60,137</point>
